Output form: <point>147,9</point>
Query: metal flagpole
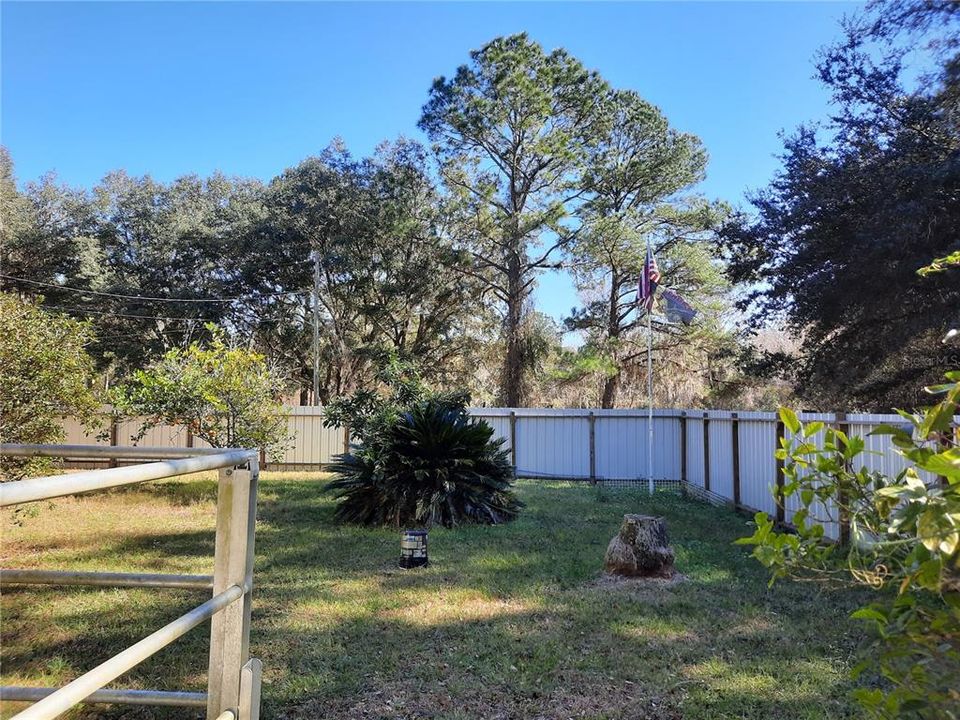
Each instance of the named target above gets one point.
<point>316,327</point>
<point>649,378</point>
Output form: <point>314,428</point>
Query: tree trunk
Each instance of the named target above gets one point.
<point>514,361</point>
<point>611,388</point>
<point>641,549</point>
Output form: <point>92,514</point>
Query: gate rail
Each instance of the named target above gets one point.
<point>233,682</point>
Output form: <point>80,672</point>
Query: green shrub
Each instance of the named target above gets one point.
<point>45,375</point>
<point>904,545</point>
<point>435,466</point>
<point>228,396</point>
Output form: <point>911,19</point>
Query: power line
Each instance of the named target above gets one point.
<point>82,291</point>
<point>126,315</point>
<point>168,333</point>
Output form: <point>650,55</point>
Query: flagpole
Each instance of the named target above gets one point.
<point>649,389</point>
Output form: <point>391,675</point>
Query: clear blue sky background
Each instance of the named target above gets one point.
<point>251,88</point>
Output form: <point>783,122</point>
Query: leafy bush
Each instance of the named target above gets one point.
<point>904,544</point>
<point>371,411</point>
<point>45,374</point>
<point>429,463</point>
<point>228,396</point>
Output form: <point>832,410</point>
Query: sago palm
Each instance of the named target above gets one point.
<point>434,466</point>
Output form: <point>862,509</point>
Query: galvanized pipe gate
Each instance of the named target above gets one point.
<point>233,684</point>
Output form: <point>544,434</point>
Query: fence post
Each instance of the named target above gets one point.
<point>114,437</point>
<point>735,435</point>
<point>513,439</point>
<point>593,447</point>
<point>683,453</point>
<point>706,452</point>
<point>250,690</point>
<point>840,419</point>
<point>778,494</point>
<point>233,565</point>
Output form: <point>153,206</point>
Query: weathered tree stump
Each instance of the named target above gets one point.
<point>641,549</point>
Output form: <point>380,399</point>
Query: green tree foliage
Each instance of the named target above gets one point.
<point>941,264</point>
<point>151,264</point>
<point>45,375</point>
<point>226,395</point>
<point>387,279</point>
<point>180,243</point>
<point>904,545</point>
<point>17,217</point>
<point>637,174</point>
<point>44,236</point>
<point>511,131</point>
<point>544,373</point>
<point>138,258</point>
<point>540,161</point>
<point>419,459</point>
<point>842,230</point>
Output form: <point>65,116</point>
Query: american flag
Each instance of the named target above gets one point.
<point>677,309</point>
<point>648,281</point>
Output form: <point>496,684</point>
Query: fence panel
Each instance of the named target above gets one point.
<point>77,434</point>
<point>621,443</point>
<point>313,444</point>
<point>758,467</point>
<point>826,514</point>
<point>553,445</point>
<point>499,420</point>
<point>666,452</point>
<point>160,436</point>
<point>880,453</point>
<point>695,465</point>
<point>621,447</point>
<point>721,454</point>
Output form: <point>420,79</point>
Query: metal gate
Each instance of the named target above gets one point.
<point>233,684</point>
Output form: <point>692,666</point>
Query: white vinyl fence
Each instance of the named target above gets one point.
<point>722,455</point>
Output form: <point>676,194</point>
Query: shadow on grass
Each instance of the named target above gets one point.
<point>179,492</point>
<point>505,623</point>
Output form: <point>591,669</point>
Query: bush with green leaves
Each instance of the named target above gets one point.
<point>226,395</point>
<point>904,545</point>
<point>370,411</point>
<point>420,459</point>
<point>45,375</point>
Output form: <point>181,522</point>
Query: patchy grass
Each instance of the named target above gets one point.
<point>507,622</point>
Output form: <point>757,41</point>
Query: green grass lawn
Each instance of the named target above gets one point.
<point>508,622</point>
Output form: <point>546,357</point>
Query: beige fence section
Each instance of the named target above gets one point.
<point>312,447</point>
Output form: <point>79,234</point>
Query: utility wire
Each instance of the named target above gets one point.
<point>125,315</point>
<point>152,298</point>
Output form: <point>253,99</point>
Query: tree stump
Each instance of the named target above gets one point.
<point>641,549</point>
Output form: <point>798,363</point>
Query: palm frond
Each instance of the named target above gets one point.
<point>436,466</point>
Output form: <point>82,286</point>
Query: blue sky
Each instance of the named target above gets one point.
<point>251,88</point>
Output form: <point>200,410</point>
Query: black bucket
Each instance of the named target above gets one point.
<point>413,548</point>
